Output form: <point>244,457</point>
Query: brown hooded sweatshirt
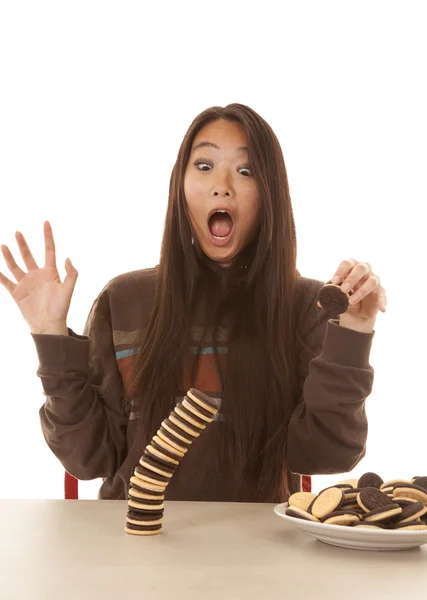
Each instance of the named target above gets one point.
<point>90,427</point>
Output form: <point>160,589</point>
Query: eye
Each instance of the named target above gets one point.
<point>197,164</point>
<point>203,164</point>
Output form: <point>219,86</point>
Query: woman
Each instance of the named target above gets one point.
<point>225,311</point>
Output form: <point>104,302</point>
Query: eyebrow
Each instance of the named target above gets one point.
<point>212,145</point>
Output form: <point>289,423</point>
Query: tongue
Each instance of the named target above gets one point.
<point>220,224</point>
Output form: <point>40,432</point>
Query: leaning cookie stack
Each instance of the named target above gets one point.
<point>162,457</point>
<point>367,502</point>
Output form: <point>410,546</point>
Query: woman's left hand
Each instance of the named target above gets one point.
<point>368,294</point>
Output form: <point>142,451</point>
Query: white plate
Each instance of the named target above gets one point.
<point>354,537</point>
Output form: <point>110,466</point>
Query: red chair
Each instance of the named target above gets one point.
<point>71,486</point>
<point>306,483</point>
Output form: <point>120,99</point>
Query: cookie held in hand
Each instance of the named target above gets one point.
<point>333,299</point>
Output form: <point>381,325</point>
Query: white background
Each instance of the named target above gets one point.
<point>95,100</point>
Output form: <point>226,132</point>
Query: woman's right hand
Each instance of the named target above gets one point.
<point>41,297</point>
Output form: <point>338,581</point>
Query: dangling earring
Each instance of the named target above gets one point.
<point>192,241</point>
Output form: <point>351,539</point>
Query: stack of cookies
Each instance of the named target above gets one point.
<point>398,504</point>
<point>162,457</point>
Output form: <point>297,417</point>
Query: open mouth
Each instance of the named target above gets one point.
<point>221,225</point>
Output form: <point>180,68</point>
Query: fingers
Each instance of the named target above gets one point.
<point>16,271</point>
<point>358,277</point>
<point>71,277</point>
<point>343,270</point>
<point>368,287</point>
<point>27,257</point>
<point>350,272</point>
<point>49,244</point>
<point>7,283</point>
<point>382,299</point>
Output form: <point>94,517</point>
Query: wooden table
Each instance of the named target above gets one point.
<point>61,550</point>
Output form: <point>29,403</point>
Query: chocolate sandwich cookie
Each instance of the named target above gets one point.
<point>364,525</point>
<point>147,509</point>
<point>341,517</point>
<point>352,482</point>
<point>144,518</point>
<point>146,488</point>
<point>155,467</point>
<point>310,506</point>
<point>411,491</point>
<point>197,410</point>
<point>164,451</point>
<point>189,417</point>
<point>411,512</point>
<point>172,442</point>
<point>151,477</point>
<point>160,457</point>
<point>145,522</point>
<point>147,482</point>
<point>353,506</point>
<point>178,424</point>
<point>333,299</point>
<point>210,404</point>
<point>164,446</point>
<point>382,513</point>
<point>349,499</point>
<point>351,493</point>
<point>158,462</point>
<point>135,529</point>
<point>412,486</point>
<point>408,525</point>
<point>176,433</point>
<point>145,498</point>
<point>299,513</point>
<point>343,486</point>
<point>192,417</point>
<point>420,481</point>
<point>301,500</point>
<point>394,483</point>
<point>370,498</point>
<point>403,501</point>
<point>370,480</point>
<point>178,421</point>
<point>327,502</point>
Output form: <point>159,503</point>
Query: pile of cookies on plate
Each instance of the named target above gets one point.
<point>367,502</point>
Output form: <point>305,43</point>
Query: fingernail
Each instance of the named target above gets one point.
<point>336,279</point>
<point>345,287</point>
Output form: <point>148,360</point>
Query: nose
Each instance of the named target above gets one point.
<point>222,182</point>
<point>222,186</point>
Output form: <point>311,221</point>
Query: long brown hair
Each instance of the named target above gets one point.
<point>259,382</point>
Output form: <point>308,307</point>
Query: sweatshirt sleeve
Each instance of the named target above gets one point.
<point>328,429</point>
<point>83,420</point>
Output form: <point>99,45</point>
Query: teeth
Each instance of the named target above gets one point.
<point>219,237</point>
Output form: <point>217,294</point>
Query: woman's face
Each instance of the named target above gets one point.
<point>222,197</point>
